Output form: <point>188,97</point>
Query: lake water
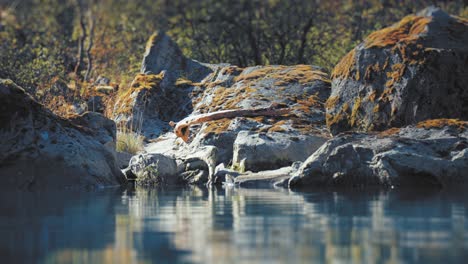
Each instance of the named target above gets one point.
<point>195,225</point>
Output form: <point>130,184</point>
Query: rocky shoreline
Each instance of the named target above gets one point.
<point>391,114</point>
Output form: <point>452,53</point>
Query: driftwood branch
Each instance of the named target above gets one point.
<point>182,128</point>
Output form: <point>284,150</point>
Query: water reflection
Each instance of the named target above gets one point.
<point>233,225</point>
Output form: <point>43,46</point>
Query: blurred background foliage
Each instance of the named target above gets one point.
<point>40,39</point>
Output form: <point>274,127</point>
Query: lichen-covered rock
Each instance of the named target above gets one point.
<point>163,54</point>
<point>293,137</point>
<point>140,107</point>
<point>301,88</point>
<point>173,87</point>
<point>412,71</point>
<point>433,152</point>
<point>41,150</point>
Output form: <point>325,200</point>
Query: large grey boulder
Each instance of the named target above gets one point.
<point>411,71</point>
<point>162,92</point>
<point>263,142</point>
<point>172,87</point>
<point>154,169</point>
<point>163,54</point>
<point>434,153</point>
<point>301,88</point>
<point>274,150</point>
<point>41,150</point>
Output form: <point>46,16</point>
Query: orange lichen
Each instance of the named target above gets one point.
<point>372,96</point>
<point>285,75</point>
<point>331,102</point>
<point>278,126</point>
<point>339,117</point>
<point>141,82</point>
<point>439,123</point>
<point>408,30</point>
<point>227,98</point>
<point>371,70</point>
<point>218,126</point>
<point>334,119</point>
<point>258,73</point>
<point>376,109</point>
<point>231,70</point>
<point>386,95</point>
<point>147,81</point>
<point>345,107</point>
<point>389,132</point>
<point>151,41</point>
<point>384,67</point>
<point>344,68</point>
<point>302,74</point>
<point>308,103</point>
<point>398,70</point>
<point>354,111</point>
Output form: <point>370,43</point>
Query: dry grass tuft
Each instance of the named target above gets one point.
<point>129,141</point>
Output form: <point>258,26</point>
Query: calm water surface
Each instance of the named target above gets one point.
<point>193,225</point>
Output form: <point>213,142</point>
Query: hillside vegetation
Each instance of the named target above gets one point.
<point>74,41</point>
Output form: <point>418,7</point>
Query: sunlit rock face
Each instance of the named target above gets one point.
<point>432,153</point>
<point>41,150</point>
<point>169,89</point>
<point>411,71</point>
<point>262,143</point>
<point>301,88</point>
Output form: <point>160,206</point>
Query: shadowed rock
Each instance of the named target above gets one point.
<point>41,150</point>
<point>411,71</point>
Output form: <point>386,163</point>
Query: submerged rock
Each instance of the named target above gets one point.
<point>41,150</point>
<point>412,71</point>
<point>431,153</point>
